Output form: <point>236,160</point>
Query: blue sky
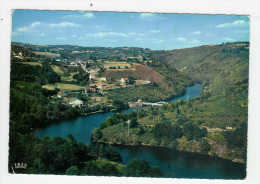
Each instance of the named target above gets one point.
<point>111,29</point>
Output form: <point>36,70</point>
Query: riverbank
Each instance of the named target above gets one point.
<point>192,148</point>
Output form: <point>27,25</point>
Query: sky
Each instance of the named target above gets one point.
<point>114,29</point>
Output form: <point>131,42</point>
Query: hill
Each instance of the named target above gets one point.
<point>214,123</point>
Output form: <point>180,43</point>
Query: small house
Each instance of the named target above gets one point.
<point>124,80</point>
<point>75,102</point>
<point>62,94</point>
<point>92,90</point>
<point>102,86</point>
<point>92,76</point>
<point>103,79</point>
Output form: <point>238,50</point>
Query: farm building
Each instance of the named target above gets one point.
<point>103,79</point>
<point>92,76</point>
<point>75,102</point>
<point>124,80</point>
<point>92,90</point>
<point>61,94</point>
<point>102,86</point>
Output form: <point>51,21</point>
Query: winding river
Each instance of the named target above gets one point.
<point>172,162</point>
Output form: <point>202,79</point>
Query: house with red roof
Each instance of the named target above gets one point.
<point>62,94</point>
<point>92,90</point>
<point>102,86</point>
<point>92,76</point>
<point>124,80</point>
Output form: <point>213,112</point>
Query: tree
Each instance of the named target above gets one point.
<point>196,133</point>
<point>204,145</point>
<point>73,170</point>
<point>96,135</point>
<point>176,131</point>
<point>113,155</point>
<point>188,130</point>
<point>119,105</point>
<point>155,172</point>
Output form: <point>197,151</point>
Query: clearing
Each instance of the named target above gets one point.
<point>122,65</point>
<point>57,69</point>
<point>48,54</point>
<point>32,63</point>
<point>139,72</point>
<point>63,87</point>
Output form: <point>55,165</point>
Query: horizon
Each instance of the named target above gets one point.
<point>133,47</point>
<point>155,31</point>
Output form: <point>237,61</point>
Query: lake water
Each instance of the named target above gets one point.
<point>181,164</point>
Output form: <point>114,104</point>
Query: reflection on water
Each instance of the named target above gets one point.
<point>184,164</point>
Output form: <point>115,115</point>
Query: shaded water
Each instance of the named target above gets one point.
<point>181,164</point>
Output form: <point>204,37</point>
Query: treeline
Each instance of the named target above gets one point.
<point>81,78</point>
<point>29,73</point>
<point>26,52</point>
<point>65,156</point>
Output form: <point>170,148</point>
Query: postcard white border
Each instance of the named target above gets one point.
<point>239,7</point>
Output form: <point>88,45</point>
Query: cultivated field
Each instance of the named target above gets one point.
<point>32,63</point>
<point>63,87</point>
<point>48,54</point>
<point>57,69</point>
<point>122,65</point>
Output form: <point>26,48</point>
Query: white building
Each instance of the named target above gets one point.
<point>75,102</point>
<point>124,80</point>
<point>103,79</point>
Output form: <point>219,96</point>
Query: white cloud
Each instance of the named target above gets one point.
<point>100,28</point>
<point>14,33</point>
<point>196,32</point>
<point>233,24</point>
<point>154,31</point>
<point>86,15</point>
<point>135,34</point>
<point>60,38</point>
<point>34,24</point>
<point>181,39</point>
<point>228,39</point>
<point>104,34</point>
<point>146,15</point>
<point>28,28</point>
<point>150,16</point>
<point>109,34</point>
<point>148,40</point>
<point>64,24</point>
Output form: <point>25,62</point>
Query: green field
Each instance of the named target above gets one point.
<point>48,54</point>
<point>122,65</point>
<point>32,63</point>
<point>57,69</point>
<point>63,87</point>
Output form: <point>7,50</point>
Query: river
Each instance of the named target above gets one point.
<point>181,164</point>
